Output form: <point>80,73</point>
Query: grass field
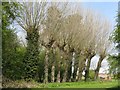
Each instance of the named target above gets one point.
<point>82,84</point>
<point>92,84</point>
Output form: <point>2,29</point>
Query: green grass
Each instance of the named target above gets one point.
<point>82,84</point>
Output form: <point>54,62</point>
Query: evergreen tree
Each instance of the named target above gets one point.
<point>116,39</point>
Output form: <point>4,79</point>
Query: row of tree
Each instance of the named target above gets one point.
<point>61,41</point>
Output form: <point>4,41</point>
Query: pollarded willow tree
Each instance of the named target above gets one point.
<point>69,37</point>
<point>32,16</point>
<point>84,41</point>
<point>103,44</point>
<point>89,48</point>
<point>87,41</point>
<point>53,25</point>
<point>91,27</point>
<point>78,35</point>
<point>72,26</point>
<point>97,31</point>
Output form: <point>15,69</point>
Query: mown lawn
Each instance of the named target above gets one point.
<point>92,84</point>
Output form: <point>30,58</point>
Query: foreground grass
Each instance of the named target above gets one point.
<point>82,84</point>
<point>92,84</point>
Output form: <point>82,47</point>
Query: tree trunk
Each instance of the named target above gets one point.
<point>72,69</point>
<point>80,69</point>
<point>53,68</point>
<point>77,66</point>
<point>87,67</point>
<point>46,67</point>
<point>98,67</point>
<point>32,55</point>
<point>65,75</point>
<point>66,71</point>
<point>77,73</point>
<point>80,75</point>
<point>58,74</point>
<point>53,73</point>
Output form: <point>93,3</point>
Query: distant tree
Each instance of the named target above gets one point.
<point>114,60</point>
<point>114,65</point>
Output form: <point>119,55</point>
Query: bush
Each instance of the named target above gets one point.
<point>91,74</point>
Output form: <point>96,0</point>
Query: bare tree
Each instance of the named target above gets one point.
<point>68,35</point>
<point>103,44</point>
<point>92,26</point>
<point>53,25</point>
<point>32,15</point>
<point>83,40</point>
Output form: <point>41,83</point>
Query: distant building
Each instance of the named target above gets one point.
<point>104,76</point>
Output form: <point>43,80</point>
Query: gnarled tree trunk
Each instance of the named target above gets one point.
<point>46,67</point>
<point>77,73</point>
<point>53,67</point>
<point>80,69</point>
<point>66,71</point>
<point>65,74</point>
<point>82,66</point>
<point>98,67</point>
<point>53,73</point>
<point>72,66</point>
<point>58,74</point>
<point>87,67</point>
<point>32,54</point>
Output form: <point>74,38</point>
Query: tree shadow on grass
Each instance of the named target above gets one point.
<point>114,88</point>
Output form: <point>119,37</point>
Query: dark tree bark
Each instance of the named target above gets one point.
<point>80,69</point>
<point>87,67</point>
<point>82,66</point>
<point>98,67</point>
<point>65,76</point>
<point>61,48</point>
<point>65,73</point>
